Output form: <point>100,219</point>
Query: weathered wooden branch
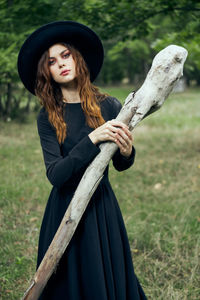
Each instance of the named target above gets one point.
<point>167,68</point>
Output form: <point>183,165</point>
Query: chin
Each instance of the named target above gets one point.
<point>66,82</point>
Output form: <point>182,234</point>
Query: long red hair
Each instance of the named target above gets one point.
<point>50,95</point>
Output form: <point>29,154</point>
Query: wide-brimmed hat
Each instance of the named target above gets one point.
<point>73,33</point>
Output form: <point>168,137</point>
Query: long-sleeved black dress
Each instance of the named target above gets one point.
<point>97,263</point>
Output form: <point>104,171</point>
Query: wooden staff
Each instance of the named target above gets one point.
<point>167,68</point>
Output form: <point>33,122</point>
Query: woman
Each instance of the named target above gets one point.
<point>58,62</point>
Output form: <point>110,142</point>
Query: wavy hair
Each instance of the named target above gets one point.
<point>50,95</point>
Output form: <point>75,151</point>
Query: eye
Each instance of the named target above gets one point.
<point>51,62</point>
<point>66,54</point>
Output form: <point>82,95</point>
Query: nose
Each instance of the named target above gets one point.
<point>61,63</point>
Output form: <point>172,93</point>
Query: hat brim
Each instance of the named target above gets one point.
<point>76,34</point>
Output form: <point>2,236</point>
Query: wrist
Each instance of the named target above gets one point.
<point>93,138</point>
<point>127,155</point>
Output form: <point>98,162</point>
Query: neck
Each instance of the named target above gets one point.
<point>70,94</point>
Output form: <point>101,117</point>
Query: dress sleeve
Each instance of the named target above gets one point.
<point>60,169</point>
<point>120,162</point>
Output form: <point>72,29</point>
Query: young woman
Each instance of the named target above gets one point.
<point>58,62</point>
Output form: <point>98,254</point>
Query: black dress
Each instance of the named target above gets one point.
<point>97,263</point>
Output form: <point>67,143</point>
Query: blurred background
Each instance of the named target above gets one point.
<point>132,33</point>
<point>159,196</point>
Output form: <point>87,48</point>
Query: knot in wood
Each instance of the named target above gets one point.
<point>178,59</point>
<point>133,109</point>
<point>68,221</point>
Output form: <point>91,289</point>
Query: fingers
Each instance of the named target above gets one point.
<point>124,141</point>
<point>111,131</point>
<point>124,135</point>
<point>118,127</point>
<point>116,123</point>
<point>108,134</point>
<point>124,150</point>
<point>116,130</point>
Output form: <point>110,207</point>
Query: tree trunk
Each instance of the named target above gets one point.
<point>166,69</point>
<point>27,108</point>
<point>1,107</point>
<point>8,100</point>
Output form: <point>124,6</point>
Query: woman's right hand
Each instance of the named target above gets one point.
<point>108,131</point>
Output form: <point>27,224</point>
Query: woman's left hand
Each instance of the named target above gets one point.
<point>124,140</point>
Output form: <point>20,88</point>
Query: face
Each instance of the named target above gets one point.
<point>61,64</point>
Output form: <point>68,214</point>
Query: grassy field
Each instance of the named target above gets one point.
<point>159,198</point>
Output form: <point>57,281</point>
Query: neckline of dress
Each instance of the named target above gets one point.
<point>73,103</point>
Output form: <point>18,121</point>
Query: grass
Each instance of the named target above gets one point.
<point>159,198</point>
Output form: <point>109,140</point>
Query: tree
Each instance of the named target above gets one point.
<point>132,30</point>
<point>118,18</point>
<point>17,20</point>
<point>156,24</point>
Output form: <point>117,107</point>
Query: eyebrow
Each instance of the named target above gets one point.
<point>60,53</point>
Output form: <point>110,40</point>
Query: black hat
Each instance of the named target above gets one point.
<point>76,34</point>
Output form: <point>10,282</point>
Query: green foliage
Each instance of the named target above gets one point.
<point>116,18</point>
<point>18,19</point>
<point>131,58</point>
<point>122,23</point>
<point>192,66</point>
<point>132,32</point>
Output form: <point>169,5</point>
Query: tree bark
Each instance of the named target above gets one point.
<point>8,100</point>
<point>1,107</point>
<point>166,69</point>
<point>28,104</point>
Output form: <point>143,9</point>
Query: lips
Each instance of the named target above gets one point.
<point>64,72</point>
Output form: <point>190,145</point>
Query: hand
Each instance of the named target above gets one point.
<point>124,140</point>
<point>114,131</point>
